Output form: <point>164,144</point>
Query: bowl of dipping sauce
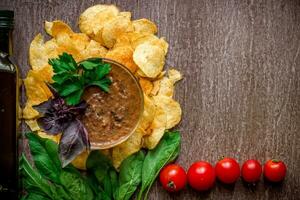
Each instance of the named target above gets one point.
<point>112,117</point>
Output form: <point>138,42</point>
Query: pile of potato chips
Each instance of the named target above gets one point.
<point>106,32</point>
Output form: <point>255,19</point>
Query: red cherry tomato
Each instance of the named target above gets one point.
<point>275,170</point>
<point>228,170</point>
<point>201,176</point>
<point>251,171</point>
<point>173,178</point>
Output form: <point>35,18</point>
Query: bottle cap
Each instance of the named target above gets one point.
<point>6,19</point>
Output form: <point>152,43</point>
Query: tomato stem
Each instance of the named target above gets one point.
<point>275,160</point>
<point>171,185</point>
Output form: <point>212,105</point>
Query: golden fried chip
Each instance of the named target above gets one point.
<point>166,87</point>
<point>150,59</point>
<point>146,85</point>
<point>158,128</point>
<point>57,27</point>
<point>126,14</point>
<point>80,161</point>
<point>114,28</point>
<point>55,138</point>
<point>172,109</point>
<point>36,88</point>
<point>123,55</point>
<point>174,75</point>
<point>33,125</point>
<point>29,112</point>
<point>93,49</point>
<point>38,57</point>
<point>145,26</point>
<point>127,148</point>
<point>148,114</point>
<point>93,18</point>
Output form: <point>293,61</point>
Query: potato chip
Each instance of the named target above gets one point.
<point>93,49</point>
<point>36,89</point>
<point>57,27</point>
<point>158,128</point>
<point>126,14</point>
<point>127,148</point>
<point>38,57</point>
<point>54,138</point>
<point>146,85</point>
<point>33,125</point>
<point>172,109</point>
<point>29,112</point>
<point>148,114</point>
<point>114,28</point>
<point>123,55</point>
<point>150,59</point>
<point>174,75</point>
<point>80,161</point>
<point>145,26</point>
<point>93,18</point>
<point>166,87</point>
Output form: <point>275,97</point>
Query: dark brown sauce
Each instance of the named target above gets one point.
<point>112,116</point>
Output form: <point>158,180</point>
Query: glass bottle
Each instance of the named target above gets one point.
<point>8,111</point>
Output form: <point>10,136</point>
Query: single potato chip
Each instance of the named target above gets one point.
<point>55,138</point>
<point>57,27</point>
<point>158,128</point>
<point>114,28</point>
<point>146,85</point>
<point>174,75</point>
<point>33,125</point>
<point>127,148</point>
<point>144,26</point>
<point>123,55</point>
<point>80,161</point>
<point>150,59</point>
<point>29,112</point>
<point>172,109</point>
<point>93,49</point>
<point>93,18</point>
<point>148,114</point>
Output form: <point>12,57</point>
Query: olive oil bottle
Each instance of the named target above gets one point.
<point>8,111</point>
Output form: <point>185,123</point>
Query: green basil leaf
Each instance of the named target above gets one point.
<point>103,84</point>
<point>70,88</point>
<point>74,98</point>
<point>130,175</point>
<point>44,153</point>
<point>90,64</point>
<point>76,186</point>
<point>165,152</point>
<point>103,70</point>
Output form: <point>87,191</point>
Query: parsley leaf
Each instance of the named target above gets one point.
<point>71,78</point>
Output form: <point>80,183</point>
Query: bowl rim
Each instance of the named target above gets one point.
<point>94,145</point>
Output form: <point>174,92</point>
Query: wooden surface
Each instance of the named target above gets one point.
<point>241,91</point>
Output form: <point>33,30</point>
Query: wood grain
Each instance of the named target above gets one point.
<point>241,91</point>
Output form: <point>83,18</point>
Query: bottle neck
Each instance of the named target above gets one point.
<point>6,41</point>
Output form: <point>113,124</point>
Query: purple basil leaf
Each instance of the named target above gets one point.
<point>53,90</point>
<point>52,124</point>
<point>79,109</point>
<point>74,141</point>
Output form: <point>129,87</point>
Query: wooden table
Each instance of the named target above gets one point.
<point>241,91</point>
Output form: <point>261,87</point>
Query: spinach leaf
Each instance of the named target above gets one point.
<point>165,152</point>
<point>99,165</point>
<point>45,157</point>
<point>130,175</point>
<point>33,181</point>
<point>75,185</point>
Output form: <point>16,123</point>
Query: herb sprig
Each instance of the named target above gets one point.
<point>71,78</point>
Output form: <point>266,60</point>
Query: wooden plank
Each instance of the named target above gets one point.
<point>241,92</point>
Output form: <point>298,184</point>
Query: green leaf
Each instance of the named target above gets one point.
<point>76,186</point>
<point>74,98</point>
<point>32,180</point>
<point>35,196</point>
<point>70,88</point>
<point>98,164</point>
<point>45,156</point>
<point>165,152</point>
<point>103,84</point>
<point>103,70</point>
<point>130,176</point>
<point>90,64</point>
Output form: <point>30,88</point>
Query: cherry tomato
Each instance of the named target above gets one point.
<point>275,170</point>
<point>228,170</point>
<point>201,176</point>
<point>251,171</point>
<point>173,178</point>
